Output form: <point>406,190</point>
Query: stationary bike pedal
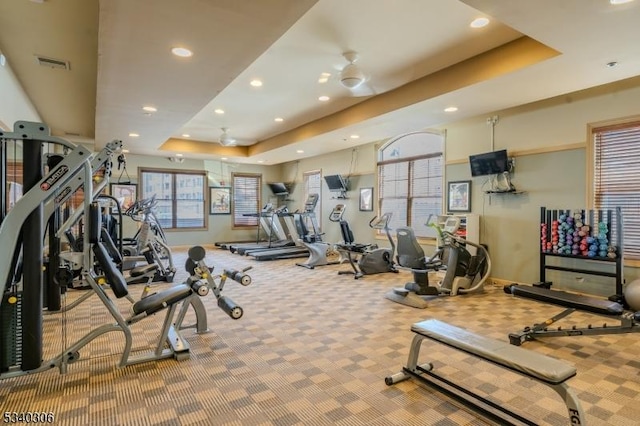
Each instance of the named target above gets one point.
<point>401,291</point>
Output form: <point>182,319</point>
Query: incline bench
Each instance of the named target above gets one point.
<point>549,371</point>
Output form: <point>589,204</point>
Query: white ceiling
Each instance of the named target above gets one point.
<point>420,57</point>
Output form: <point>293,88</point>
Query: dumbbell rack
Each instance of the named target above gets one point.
<point>592,218</point>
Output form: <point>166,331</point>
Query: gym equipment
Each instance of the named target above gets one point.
<point>170,342</point>
<point>298,249</point>
<point>593,235</point>
<point>320,252</point>
<point>201,278</point>
<point>464,272</point>
<point>370,258</point>
<point>21,234</point>
<point>632,295</point>
<point>629,321</point>
<point>150,240</point>
<point>541,368</point>
<point>276,236</point>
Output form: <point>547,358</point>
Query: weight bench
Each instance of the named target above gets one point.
<point>572,302</point>
<point>544,369</point>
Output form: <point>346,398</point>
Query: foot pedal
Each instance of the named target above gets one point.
<point>401,291</point>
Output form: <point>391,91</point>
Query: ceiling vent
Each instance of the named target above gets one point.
<point>53,63</point>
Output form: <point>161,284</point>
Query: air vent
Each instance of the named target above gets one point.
<point>71,134</point>
<point>53,63</point>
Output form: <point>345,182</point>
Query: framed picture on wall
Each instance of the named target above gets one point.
<point>125,193</point>
<point>459,196</point>
<point>220,200</point>
<point>366,199</point>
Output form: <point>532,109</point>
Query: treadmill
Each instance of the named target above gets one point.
<point>262,223</point>
<point>299,250</point>
<point>269,220</point>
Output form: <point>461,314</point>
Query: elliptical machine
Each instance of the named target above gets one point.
<point>372,260</point>
<point>320,253</point>
<point>464,272</point>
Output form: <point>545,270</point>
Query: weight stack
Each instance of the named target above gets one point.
<point>10,332</point>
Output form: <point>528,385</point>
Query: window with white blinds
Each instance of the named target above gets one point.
<point>246,199</point>
<point>410,176</point>
<point>616,178</point>
<point>313,185</point>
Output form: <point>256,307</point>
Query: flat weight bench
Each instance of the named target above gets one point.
<point>549,371</point>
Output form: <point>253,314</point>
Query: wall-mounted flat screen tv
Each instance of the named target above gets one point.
<point>489,163</point>
<point>336,183</point>
<point>278,188</point>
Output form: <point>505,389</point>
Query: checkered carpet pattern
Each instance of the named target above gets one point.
<point>313,348</point>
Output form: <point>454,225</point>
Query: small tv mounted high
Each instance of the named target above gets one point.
<point>336,183</point>
<point>279,188</point>
<point>489,163</point>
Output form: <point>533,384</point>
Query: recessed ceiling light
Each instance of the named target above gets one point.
<point>451,109</point>
<point>612,64</point>
<point>354,136</point>
<point>620,1</point>
<point>149,108</point>
<point>479,22</point>
<point>260,161</point>
<point>186,135</point>
<point>219,111</point>
<point>178,155</point>
<point>183,52</point>
<point>224,158</point>
<point>324,98</point>
<point>278,119</point>
<point>126,151</point>
<point>256,83</point>
<point>299,151</point>
<point>134,135</point>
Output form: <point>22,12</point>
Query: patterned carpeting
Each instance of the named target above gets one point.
<point>313,348</point>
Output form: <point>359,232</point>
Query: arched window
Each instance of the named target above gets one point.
<point>410,179</point>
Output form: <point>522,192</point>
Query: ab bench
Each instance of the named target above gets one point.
<point>544,369</point>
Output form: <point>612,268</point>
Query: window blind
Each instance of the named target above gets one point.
<point>616,178</point>
<point>246,198</point>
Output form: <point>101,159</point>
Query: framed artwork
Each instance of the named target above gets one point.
<point>125,193</point>
<point>366,199</point>
<point>459,196</point>
<point>220,200</point>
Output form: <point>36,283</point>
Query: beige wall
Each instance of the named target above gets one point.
<point>548,139</point>
<point>219,226</point>
<point>15,104</point>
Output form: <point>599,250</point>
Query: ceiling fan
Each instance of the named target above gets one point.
<point>353,78</point>
<point>225,139</point>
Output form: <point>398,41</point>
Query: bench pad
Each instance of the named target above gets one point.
<point>569,300</point>
<point>162,299</point>
<point>533,364</point>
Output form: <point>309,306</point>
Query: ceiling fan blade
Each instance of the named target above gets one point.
<point>364,89</point>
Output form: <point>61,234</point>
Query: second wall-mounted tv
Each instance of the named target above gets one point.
<point>278,188</point>
<point>336,183</point>
<point>489,163</point>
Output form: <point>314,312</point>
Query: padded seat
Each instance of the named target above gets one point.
<point>143,270</point>
<point>160,300</point>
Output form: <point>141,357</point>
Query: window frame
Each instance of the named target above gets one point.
<point>631,244</point>
<point>235,192</point>
<point>410,161</point>
<point>174,200</point>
